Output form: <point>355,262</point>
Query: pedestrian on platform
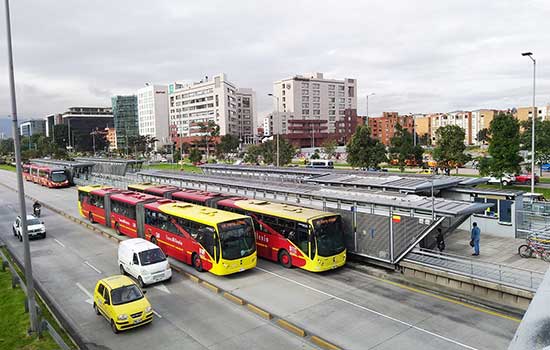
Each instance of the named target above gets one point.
<point>440,240</point>
<point>476,233</point>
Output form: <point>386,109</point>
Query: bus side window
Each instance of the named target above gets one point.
<point>150,217</point>
<point>257,225</point>
<point>205,236</point>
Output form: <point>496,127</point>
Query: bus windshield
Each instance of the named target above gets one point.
<point>59,176</point>
<point>237,238</point>
<point>330,236</point>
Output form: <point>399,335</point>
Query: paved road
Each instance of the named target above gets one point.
<point>67,262</point>
<point>351,309</point>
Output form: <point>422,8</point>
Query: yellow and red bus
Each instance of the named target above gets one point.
<point>294,236</point>
<point>218,241</point>
<point>46,176</point>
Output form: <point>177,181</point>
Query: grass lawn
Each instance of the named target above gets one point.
<point>7,167</point>
<point>545,180</point>
<point>15,322</point>
<point>173,166</point>
<point>544,191</point>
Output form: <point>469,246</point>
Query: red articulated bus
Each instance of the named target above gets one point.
<point>294,236</point>
<point>126,210</point>
<point>92,202</point>
<point>46,176</point>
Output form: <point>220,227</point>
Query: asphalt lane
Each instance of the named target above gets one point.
<point>350,308</point>
<point>71,259</point>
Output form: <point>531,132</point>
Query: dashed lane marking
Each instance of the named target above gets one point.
<point>58,242</point>
<point>92,267</point>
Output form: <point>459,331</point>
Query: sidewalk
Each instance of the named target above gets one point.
<point>493,249</point>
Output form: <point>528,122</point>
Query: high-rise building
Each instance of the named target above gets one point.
<point>51,121</point>
<point>213,99</point>
<point>32,127</point>
<point>153,113</point>
<point>125,117</point>
<point>462,119</point>
<point>311,98</point>
<point>82,121</point>
<point>524,113</point>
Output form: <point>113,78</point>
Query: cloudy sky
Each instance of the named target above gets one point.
<point>416,56</point>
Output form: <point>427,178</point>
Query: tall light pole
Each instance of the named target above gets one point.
<point>530,55</point>
<point>414,129</point>
<point>371,94</point>
<point>21,190</point>
<point>278,121</point>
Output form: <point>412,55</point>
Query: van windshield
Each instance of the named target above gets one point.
<point>152,256</point>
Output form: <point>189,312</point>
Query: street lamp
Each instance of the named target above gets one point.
<point>276,97</point>
<point>530,55</point>
<point>371,94</point>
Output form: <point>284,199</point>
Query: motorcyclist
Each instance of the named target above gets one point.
<point>36,208</point>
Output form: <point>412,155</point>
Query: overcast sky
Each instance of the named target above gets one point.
<point>416,56</point>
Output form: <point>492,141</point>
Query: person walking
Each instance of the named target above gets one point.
<point>440,240</point>
<point>476,233</point>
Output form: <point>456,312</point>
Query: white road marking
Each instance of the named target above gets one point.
<point>370,310</point>
<point>61,244</point>
<point>90,299</point>
<point>163,288</point>
<point>92,267</point>
<point>157,314</point>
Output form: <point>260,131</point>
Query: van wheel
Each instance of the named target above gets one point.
<point>504,183</point>
<point>20,238</point>
<point>197,262</point>
<point>91,217</point>
<point>285,259</point>
<point>96,309</point>
<point>141,283</point>
<point>117,229</point>
<point>122,271</point>
<point>113,327</point>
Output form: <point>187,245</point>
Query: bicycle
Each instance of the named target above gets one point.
<point>535,247</point>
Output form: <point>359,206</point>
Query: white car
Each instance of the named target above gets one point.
<point>35,228</point>
<point>505,180</point>
<point>144,261</point>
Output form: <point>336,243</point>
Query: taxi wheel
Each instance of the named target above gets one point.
<point>197,263</point>
<point>285,259</point>
<point>113,327</point>
<point>96,309</point>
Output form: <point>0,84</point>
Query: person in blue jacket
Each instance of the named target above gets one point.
<point>476,233</point>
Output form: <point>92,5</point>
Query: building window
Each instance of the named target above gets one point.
<point>341,87</point>
<point>305,99</point>
<point>331,93</point>
<point>331,87</point>
<point>305,111</point>
<point>305,92</point>
<point>315,85</point>
<point>316,99</point>
<point>305,105</point>
<point>316,111</point>
<point>305,85</point>
<point>316,92</point>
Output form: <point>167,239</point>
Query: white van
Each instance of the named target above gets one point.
<point>144,261</point>
<point>320,163</point>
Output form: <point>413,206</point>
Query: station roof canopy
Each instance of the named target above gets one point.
<point>63,163</point>
<point>409,183</point>
<point>360,196</point>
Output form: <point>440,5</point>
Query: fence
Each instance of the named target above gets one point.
<point>499,273</point>
<point>532,221</point>
<point>45,326</point>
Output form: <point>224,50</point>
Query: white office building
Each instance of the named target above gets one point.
<point>153,113</point>
<point>212,99</point>
<point>312,97</point>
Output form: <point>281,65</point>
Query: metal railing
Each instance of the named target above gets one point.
<point>483,270</point>
<point>45,326</point>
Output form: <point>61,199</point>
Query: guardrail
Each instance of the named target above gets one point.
<point>45,326</point>
<point>493,272</point>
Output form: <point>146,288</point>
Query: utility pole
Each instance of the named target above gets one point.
<point>530,55</point>
<point>21,190</point>
<point>278,122</point>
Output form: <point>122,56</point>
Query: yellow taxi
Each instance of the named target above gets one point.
<point>426,172</point>
<point>120,300</point>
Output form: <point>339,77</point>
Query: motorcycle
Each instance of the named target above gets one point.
<point>36,211</point>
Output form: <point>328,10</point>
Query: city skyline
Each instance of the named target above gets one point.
<point>394,53</point>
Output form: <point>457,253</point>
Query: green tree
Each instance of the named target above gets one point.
<point>6,147</point>
<point>425,140</point>
<point>364,151</point>
<point>268,151</point>
<point>252,154</point>
<point>195,155</point>
<point>504,147</point>
<point>403,149</point>
<point>483,135</point>
<point>209,131</point>
<point>61,135</point>
<point>329,148</point>
<point>450,147</point>
<point>315,155</point>
<point>542,140</point>
<point>228,144</point>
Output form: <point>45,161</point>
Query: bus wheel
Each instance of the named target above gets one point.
<point>91,217</point>
<point>285,259</point>
<point>197,263</point>
<point>117,229</point>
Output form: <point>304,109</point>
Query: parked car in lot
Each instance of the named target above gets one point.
<point>505,180</point>
<point>119,299</point>
<point>35,228</point>
<point>144,261</point>
<point>524,178</point>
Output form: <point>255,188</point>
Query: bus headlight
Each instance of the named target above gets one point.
<point>122,317</point>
